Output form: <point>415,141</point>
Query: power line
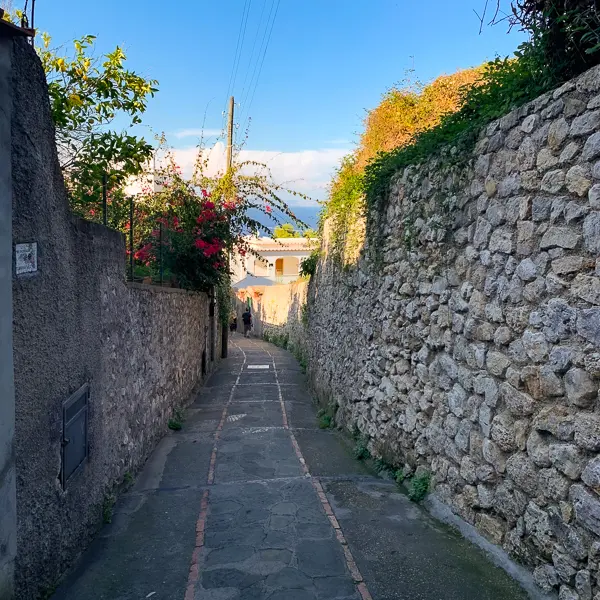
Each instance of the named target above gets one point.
<point>262,12</point>
<point>260,48</point>
<point>266,45</point>
<point>241,47</point>
<point>237,53</point>
<point>261,66</point>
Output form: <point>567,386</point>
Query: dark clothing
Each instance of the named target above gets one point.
<point>233,325</point>
<point>247,318</point>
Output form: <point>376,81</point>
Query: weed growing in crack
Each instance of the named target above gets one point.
<point>381,465</point>
<point>176,421</point>
<point>326,417</point>
<point>48,591</point>
<point>419,486</point>
<point>361,452</point>
<point>399,476</point>
<point>325,421</point>
<point>107,508</point>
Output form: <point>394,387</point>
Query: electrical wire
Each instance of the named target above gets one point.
<point>241,47</point>
<point>262,12</point>
<point>247,117</point>
<point>236,56</point>
<point>260,49</point>
<point>263,44</point>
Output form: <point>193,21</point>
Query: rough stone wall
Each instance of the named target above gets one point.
<point>76,321</point>
<point>8,526</point>
<point>477,354</point>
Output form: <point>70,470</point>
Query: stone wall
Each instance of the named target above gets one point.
<point>141,349</point>
<point>8,529</point>
<point>476,353</point>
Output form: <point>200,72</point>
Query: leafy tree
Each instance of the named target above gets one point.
<point>287,230</point>
<point>87,94</point>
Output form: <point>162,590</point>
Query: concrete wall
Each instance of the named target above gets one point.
<point>475,353</point>
<point>76,321</point>
<point>277,309</point>
<point>8,537</point>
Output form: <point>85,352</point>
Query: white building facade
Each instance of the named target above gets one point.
<point>278,260</point>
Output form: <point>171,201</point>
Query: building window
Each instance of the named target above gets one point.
<point>288,267</point>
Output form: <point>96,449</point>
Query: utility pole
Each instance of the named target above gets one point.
<point>230,136</point>
<point>225,330</point>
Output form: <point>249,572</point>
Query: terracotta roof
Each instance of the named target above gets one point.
<point>281,244</point>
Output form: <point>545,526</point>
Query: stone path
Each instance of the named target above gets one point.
<point>251,501</point>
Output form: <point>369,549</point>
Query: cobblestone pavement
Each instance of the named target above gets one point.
<point>252,501</point>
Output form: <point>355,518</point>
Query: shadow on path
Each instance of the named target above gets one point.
<point>252,501</point>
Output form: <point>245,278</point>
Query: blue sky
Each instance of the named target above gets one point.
<point>326,62</point>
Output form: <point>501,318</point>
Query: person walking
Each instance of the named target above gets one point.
<point>247,319</point>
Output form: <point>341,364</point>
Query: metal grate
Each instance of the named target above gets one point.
<point>75,433</point>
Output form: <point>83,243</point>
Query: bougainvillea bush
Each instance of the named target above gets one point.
<point>191,226</point>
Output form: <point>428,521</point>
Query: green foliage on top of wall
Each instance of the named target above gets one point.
<point>309,264</point>
<point>564,41</point>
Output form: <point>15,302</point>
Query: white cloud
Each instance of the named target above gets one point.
<point>205,133</point>
<point>305,171</point>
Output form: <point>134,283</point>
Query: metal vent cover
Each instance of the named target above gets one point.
<point>75,433</point>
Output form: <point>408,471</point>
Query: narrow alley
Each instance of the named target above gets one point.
<point>250,500</point>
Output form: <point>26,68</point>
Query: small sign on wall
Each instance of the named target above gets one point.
<point>26,258</point>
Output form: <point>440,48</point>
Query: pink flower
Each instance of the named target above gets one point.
<point>143,254</point>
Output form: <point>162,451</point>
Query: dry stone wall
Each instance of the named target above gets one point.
<point>476,353</point>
